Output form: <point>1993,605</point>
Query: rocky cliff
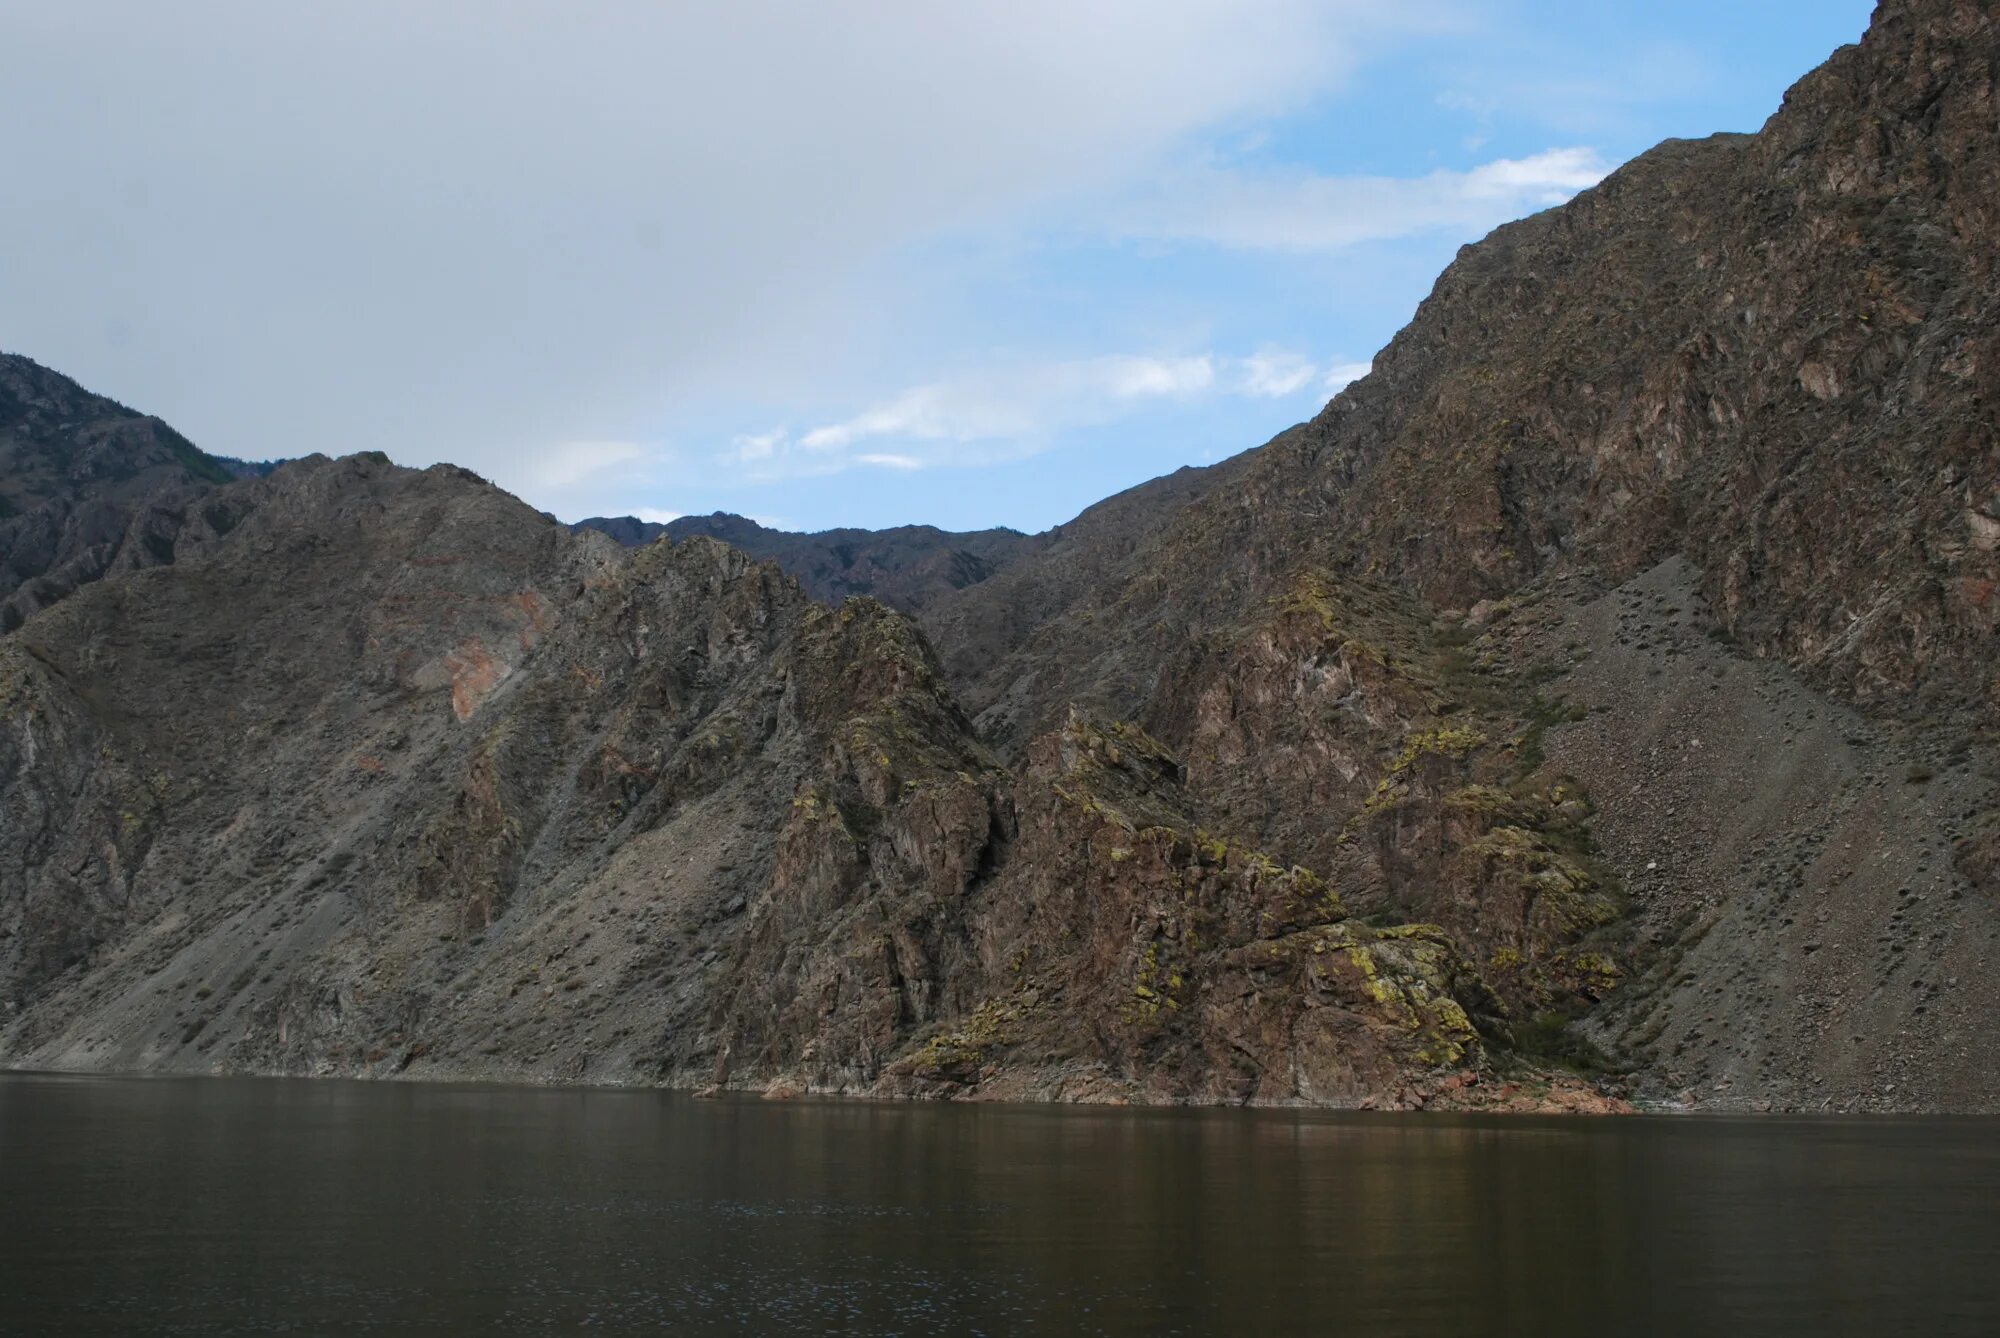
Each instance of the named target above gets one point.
<point>1774,354</point>
<point>1707,460</point>
<point>87,487</point>
<point>1599,696</point>
<point>398,776</point>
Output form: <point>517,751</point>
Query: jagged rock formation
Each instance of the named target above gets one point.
<point>909,567</point>
<point>87,487</point>
<point>1605,684</point>
<point>398,776</point>
<point>1756,370</point>
<point>1774,353</point>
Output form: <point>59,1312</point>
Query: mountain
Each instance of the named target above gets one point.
<point>400,777</point>
<point>1734,405</point>
<point>1599,698</point>
<point>1730,411</point>
<point>1773,353</point>
<point>87,487</point>
<point>908,568</point>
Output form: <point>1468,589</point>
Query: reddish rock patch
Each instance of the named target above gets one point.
<point>474,674</point>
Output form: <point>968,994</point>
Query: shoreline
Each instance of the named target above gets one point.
<point>786,1093</point>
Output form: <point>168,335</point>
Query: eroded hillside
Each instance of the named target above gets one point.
<point>400,777</point>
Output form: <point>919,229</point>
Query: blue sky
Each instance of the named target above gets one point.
<point>885,265</point>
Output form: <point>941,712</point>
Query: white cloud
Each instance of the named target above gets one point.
<point>1015,403</point>
<point>1011,411</point>
<point>758,447</point>
<point>1275,375</point>
<point>1545,178</point>
<point>1137,378</point>
<point>1344,374</point>
<point>653,516</point>
<point>462,230</point>
<point>1301,211</point>
<point>573,462</point>
<point>944,412</point>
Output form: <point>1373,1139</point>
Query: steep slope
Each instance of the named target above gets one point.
<point>398,776</point>
<point>1776,353</point>
<point>87,486</point>
<point>1755,370</point>
<point>908,568</point>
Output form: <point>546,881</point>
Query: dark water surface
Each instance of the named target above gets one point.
<point>253,1206</point>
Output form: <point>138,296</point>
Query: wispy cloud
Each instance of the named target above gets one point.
<point>1276,375</point>
<point>1141,378</point>
<point>1344,374</point>
<point>694,131</point>
<point>570,463</point>
<point>1267,209</point>
<point>1012,404</point>
<point>1009,412</point>
<point>758,447</point>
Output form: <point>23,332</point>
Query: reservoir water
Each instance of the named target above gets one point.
<point>212,1206</point>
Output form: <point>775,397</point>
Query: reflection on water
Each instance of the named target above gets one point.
<point>239,1206</point>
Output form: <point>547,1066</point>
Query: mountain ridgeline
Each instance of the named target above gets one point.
<point>1598,702</point>
<point>909,568</point>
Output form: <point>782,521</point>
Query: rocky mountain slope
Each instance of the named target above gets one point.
<point>1775,353</point>
<point>909,567</point>
<point>1756,370</point>
<point>397,776</point>
<point>87,487</point>
<point>1603,692</point>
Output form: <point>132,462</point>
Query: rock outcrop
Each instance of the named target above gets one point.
<point>400,777</point>
<point>1756,371</point>
<point>88,487</point>
<point>1773,353</point>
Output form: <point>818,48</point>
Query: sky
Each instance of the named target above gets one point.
<point>849,264</point>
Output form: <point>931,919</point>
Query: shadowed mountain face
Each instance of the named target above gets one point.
<point>87,487</point>
<point>909,568</point>
<point>1602,691</point>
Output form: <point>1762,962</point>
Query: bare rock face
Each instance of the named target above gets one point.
<point>1757,369</point>
<point>1774,354</point>
<point>400,777</point>
<point>88,488</point>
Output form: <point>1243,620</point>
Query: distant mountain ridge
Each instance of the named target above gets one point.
<point>908,567</point>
